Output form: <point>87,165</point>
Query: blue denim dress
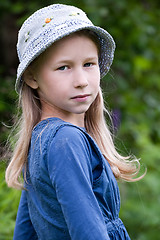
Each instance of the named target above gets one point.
<point>71,192</point>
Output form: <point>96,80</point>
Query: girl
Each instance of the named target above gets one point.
<point>65,149</point>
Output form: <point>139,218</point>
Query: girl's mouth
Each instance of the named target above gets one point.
<point>81,98</point>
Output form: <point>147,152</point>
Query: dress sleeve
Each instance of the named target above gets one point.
<point>70,170</point>
<point>24,229</point>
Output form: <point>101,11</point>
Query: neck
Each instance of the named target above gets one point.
<point>49,110</point>
<point>75,119</point>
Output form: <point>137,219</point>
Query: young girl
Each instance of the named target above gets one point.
<point>65,149</point>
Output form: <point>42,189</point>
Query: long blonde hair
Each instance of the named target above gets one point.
<point>126,168</point>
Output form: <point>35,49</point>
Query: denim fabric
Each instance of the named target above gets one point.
<point>71,190</point>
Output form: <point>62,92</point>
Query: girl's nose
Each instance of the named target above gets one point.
<point>80,79</point>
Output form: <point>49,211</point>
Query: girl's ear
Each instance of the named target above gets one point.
<point>29,78</point>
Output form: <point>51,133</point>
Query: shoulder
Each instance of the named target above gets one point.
<point>69,136</point>
<point>69,154</point>
<point>55,134</point>
<point>56,128</point>
<point>69,131</point>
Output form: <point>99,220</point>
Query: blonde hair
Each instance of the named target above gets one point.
<point>126,168</point>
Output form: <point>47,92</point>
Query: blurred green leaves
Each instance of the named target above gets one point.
<point>9,200</point>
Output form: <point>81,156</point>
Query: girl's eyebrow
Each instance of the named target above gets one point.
<point>67,60</point>
<point>92,58</point>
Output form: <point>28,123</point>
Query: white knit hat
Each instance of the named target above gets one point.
<point>52,23</point>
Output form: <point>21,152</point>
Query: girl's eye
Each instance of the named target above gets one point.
<point>88,64</point>
<point>63,68</point>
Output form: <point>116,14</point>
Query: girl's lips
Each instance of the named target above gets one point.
<point>81,98</point>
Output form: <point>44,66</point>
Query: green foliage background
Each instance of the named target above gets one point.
<point>131,88</point>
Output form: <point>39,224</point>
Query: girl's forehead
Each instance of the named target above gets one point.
<point>69,42</point>
<point>68,39</point>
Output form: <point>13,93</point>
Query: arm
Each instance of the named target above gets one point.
<point>24,229</point>
<point>70,171</point>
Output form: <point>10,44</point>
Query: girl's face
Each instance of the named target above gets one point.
<point>68,80</point>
